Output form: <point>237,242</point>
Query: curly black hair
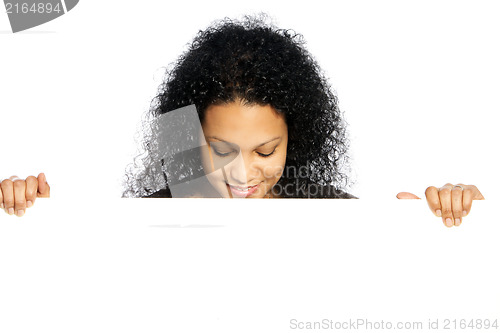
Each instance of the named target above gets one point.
<point>260,64</point>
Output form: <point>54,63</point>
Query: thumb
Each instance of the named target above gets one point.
<point>43,187</point>
<point>406,195</point>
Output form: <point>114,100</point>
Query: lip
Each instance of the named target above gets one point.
<point>242,191</point>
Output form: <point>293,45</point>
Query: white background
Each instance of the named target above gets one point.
<point>418,82</point>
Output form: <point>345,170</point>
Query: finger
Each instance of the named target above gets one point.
<point>477,194</point>
<point>406,195</point>
<point>456,205</point>
<point>20,197</point>
<point>43,186</point>
<point>31,190</point>
<point>8,195</point>
<point>467,197</point>
<point>445,200</point>
<point>432,196</point>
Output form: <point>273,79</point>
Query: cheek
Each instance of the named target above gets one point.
<point>205,160</point>
<point>212,175</point>
<point>272,169</point>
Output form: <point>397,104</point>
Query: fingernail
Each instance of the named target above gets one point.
<point>464,213</point>
<point>438,212</point>
<point>20,212</point>
<point>29,204</point>
<point>449,222</point>
<point>1,205</point>
<point>457,222</point>
<point>11,211</point>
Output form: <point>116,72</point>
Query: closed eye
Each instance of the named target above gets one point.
<point>221,154</point>
<point>266,155</point>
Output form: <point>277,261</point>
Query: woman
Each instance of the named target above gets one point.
<point>246,112</point>
<point>259,85</point>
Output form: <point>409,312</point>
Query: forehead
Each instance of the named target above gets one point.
<point>243,124</point>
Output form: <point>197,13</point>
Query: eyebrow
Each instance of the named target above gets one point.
<point>260,145</point>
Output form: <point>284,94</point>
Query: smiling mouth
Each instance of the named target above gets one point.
<point>242,188</point>
<point>242,191</point>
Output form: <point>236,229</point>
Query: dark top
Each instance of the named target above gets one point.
<point>314,192</point>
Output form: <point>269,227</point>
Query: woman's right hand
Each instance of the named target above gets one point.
<point>17,194</point>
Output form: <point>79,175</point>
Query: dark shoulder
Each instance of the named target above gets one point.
<point>328,192</point>
<point>165,193</point>
<point>304,189</point>
<point>198,191</point>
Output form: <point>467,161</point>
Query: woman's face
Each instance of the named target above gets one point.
<point>246,151</point>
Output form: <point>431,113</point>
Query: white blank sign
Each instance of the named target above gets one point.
<point>215,265</point>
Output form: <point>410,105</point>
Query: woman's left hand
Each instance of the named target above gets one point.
<point>450,202</point>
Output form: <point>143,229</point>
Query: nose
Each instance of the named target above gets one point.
<point>239,170</point>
